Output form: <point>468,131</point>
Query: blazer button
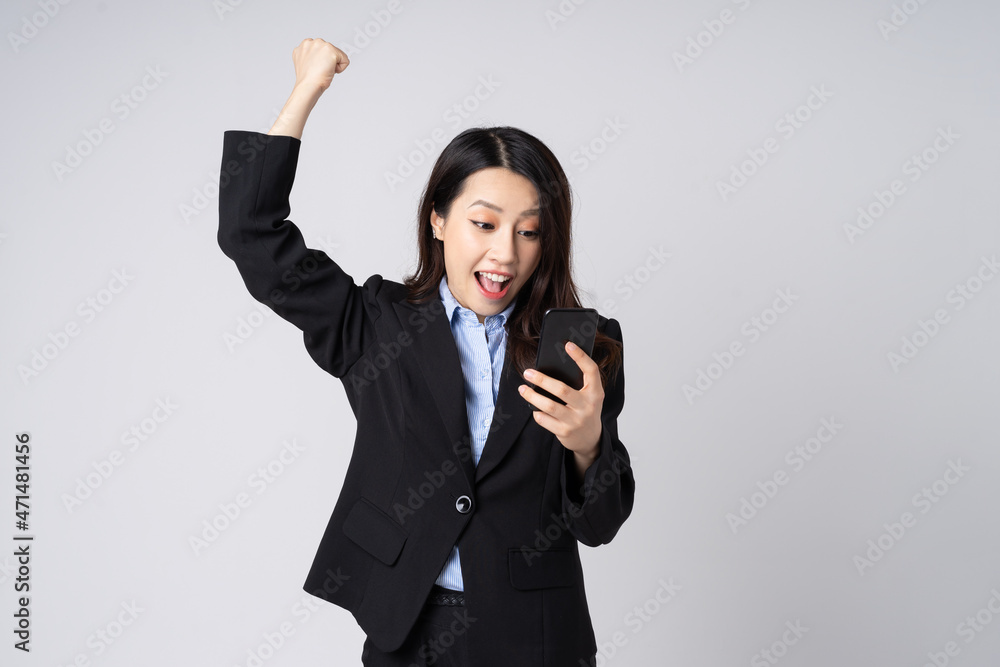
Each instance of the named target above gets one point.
<point>463,504</point>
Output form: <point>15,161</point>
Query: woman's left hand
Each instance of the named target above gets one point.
<point>577,424</point>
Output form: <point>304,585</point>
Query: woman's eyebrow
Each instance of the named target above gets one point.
<point>483,202</point>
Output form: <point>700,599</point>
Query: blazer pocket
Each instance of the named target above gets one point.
<point>531,569</point>
<point>374,531</point>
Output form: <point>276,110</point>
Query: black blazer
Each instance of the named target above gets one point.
<point>411,490</point>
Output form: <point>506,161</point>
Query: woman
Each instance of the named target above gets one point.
<point>454,539</point>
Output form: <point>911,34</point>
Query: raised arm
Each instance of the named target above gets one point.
<point>598,507</point>
<point>303,286</point>
<point>316,63</point>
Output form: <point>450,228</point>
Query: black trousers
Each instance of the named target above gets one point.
<point>438,638</point>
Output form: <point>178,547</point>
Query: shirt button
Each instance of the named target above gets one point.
<point>463,504</point>
<point>486,422</point>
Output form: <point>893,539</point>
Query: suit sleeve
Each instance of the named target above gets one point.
<point>596,510</point>
<point>301,285</point>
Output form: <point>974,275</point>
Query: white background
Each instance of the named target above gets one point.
<point>604,79</point>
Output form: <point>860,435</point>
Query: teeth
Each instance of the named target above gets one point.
<point>495,277</point>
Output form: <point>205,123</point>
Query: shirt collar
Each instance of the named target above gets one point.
<point>466,315</point>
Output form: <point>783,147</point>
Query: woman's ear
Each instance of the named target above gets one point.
<point>437,223</point>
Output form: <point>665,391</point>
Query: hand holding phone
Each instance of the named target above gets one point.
<point>558,326</point>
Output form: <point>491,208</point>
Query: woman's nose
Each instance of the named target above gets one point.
<point>504,249</point>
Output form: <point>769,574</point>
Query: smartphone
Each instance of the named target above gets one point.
<point>559,325</point>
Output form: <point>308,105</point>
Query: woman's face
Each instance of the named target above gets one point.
<point>492,227</point>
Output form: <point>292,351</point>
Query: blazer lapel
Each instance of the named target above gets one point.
<point>437,355</point>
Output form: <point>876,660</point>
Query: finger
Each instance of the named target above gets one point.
<point>570,397</point>
<point>543,403</point>
<point>546,382</point>
<point>591,371</point>
<point>546,421</point>
<point>581,358</point>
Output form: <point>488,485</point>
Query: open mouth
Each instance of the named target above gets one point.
<point>491,288</point>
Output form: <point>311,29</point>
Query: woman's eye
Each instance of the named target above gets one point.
<point>529,233</point>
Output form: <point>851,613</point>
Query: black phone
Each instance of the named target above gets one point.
<point>559,325</point>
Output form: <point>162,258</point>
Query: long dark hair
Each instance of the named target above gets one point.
<point>551,285</point>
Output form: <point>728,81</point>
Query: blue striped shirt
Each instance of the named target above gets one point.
<point>481,350</point>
